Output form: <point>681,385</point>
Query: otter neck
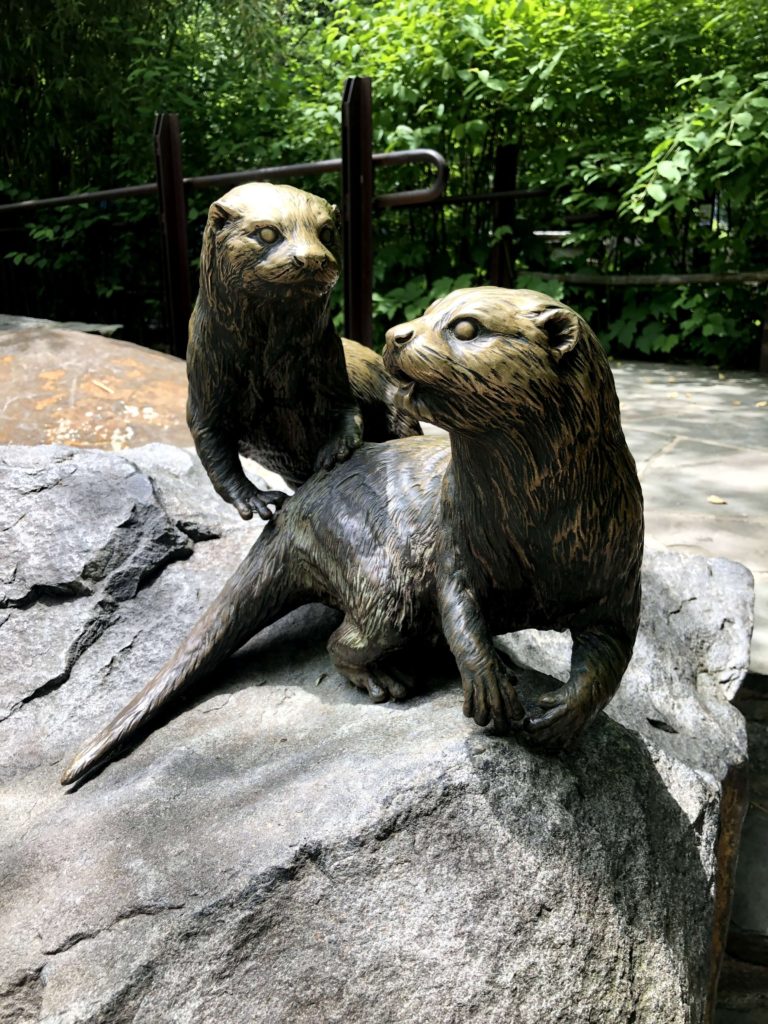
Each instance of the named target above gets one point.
<point>514,486</point>
<point>285,315</point>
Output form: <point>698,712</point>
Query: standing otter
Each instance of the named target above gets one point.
<point>266,368</point>
<point>529,515</point>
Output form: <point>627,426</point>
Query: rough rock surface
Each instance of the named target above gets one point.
<point>283,850</point>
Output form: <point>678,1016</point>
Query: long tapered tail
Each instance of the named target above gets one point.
<point>260,591</point>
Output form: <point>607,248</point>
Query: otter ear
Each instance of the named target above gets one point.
<point>219,214</point>
<point>336,214</point>
<point>562,327</point>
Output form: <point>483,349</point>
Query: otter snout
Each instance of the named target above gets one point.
<point>399,336</point>
<point>397,340</point>
<point>310,261</point>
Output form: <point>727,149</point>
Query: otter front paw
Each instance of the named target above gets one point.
<point>251,499</point>
<point>490,694</point>
<point>341,445</point>
<point>565,714</point>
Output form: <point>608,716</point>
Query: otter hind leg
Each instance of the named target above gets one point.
<point>358,658</point>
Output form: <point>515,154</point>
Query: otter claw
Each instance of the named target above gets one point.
<point>566,712</point>
<point>259,501</point>
<point>490,695</point>
<point>549,700</point>
<point>338,450</point>
<point>376,691</point>
<point>397,690</point>
<point>378,684</point>
<point>555,729</point>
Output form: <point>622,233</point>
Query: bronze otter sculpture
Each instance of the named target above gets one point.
<point>528,515</point>
<point>268,374</point>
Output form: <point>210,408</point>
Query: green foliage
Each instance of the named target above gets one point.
<point>530,279</point>
<point>83,78</point>
<point>81,84</point>
<point>715,142</point>
<point>411,299</point>
<point>648,123</point>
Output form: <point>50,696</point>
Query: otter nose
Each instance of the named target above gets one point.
<point>399,335</point>
<point>310,260</point>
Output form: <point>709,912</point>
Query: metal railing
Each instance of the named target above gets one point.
<point>356,165</point>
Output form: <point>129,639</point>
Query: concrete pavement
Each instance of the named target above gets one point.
<point>700,439</point>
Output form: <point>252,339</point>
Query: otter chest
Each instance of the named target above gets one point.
<point>512,589</point>
<point>285,386</point>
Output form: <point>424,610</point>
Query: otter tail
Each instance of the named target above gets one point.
<point>259,592</point>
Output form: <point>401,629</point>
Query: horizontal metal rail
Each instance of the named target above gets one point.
<point>662,280</point>
<point>264,174</point>
<point>415,196</point>
<point>412,197</point>
<point>129,191</point>
<point>488,197</point>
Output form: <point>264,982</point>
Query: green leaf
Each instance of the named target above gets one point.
<point>651,338</point>
<point>668,169</point>
<point>537,284</point>
<point>744,118</point>
<point>625,334</point>
<point>550,67</point>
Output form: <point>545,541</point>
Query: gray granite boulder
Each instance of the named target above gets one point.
<point>282,850</point>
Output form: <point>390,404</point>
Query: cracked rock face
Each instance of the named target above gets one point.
<point>282,850</point>
<point>80,534</point>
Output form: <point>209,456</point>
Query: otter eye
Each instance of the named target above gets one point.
<point>267,234</point>
<point>325,235</point>
<point>464,330</point>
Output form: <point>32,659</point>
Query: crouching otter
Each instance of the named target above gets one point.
<point>268,374</point>
<point>528,515</point>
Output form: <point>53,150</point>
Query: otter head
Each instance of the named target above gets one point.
<point>261,238</point>
<point>493,358</point>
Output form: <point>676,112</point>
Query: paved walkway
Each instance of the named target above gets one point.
<point>700,437</point>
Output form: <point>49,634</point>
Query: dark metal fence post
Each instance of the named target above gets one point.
<point>502,259</point>
<point>173,217</point>
<point>357,208</point>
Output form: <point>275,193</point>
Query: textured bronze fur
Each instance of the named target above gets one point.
<point>267,373</point>
<point>530,515</point>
